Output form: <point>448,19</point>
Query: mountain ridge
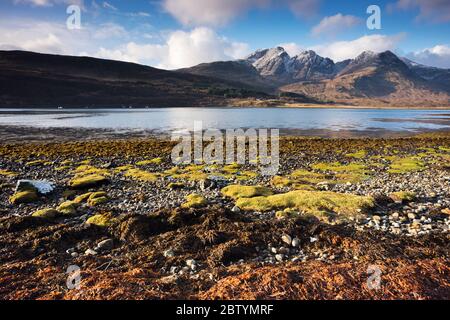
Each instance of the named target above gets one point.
<point>370,78</point>
<point>268,77</point>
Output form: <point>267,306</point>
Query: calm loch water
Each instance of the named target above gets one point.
<point>170,119</point>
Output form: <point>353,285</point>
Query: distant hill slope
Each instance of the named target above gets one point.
<point>266,77</point>
<point>40,80</point>
<point>376,80</point>
<point>370,79</point>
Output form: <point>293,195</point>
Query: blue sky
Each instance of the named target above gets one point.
<point>180,33</point>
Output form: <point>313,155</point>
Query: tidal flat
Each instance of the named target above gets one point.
<point>139,227</point>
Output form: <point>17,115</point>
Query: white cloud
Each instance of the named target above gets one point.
<point>220,12</point>
<point>437,56</point>
<point>303,8</point>
<point>50,37</point>
<point>209,12</point>
<point>176,49</point>
<point>334,24</point>
<point>433,10</point>
<point>292,48</point>
<point>109,6</point>
<point>49,3</point>
<point>182,49</point>
<point>342,50</point>
<point>109,30</point>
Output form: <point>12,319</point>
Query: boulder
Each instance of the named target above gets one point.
<point>24,197</point>
<point>89,181</point>
<point>40,186</point>
<point>46,214</point>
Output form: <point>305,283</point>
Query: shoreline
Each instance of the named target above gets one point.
<point>262,105</point>
<point>144,230</point>
<point>26,134</point>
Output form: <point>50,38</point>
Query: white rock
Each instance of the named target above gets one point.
<point>43,187</point>
<point>107,244</point>
<point>279,257</point>
<point>191,262</point>
<point>287,239</point>
<point>312,239</point>
<point>411,216</point>
<point>90,252</point>
<point>295,242</point>
<point>236,209</point>
<point>169,253</point>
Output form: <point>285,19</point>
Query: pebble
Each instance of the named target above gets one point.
<point>295,242</point>
<point>191,262</point>
<point>105,245</point>
<point>236,209</point>
<point>169,253</point>
<point>280,257</point>
<point>90,252</point>
<point>287,239</point>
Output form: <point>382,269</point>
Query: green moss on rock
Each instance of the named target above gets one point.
<point>68,208</point>
<point>313,202</point>
<point>46,214</point>
<point>102,220</point>
<point>97,198</point>
<point>88,181</point>
<point>403,196</point>
<point>194,201</point>
<point>238,191</point>
<point>406,165</point>
<point>27,196</point>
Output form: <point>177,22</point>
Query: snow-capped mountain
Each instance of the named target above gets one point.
<point>370,78</point>
<point>276,62</point>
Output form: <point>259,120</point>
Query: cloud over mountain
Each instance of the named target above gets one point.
<point>437,56</point>
<point>334,24</point>
<point>181,49</point>
<point>342,50</point>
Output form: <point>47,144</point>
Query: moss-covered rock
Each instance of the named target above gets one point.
<point>176,185</point>
<point>24,197</point>
<point>141,175</point>
<point>194,201</point>
<point>358,155</point>
<point>97,198</point>
<point>287,214</point>
<point>403,196</point>
<point>155,161</point>
<point>88,181</point>
<point>7,173</point>
<point>406,165</point>
<point>82,198</point>
<point>313,202</point>
<point>68,208</point>
<point>102,220</point>
<point>46,214</point>
<point>280,182</point>
<point>238,191</point>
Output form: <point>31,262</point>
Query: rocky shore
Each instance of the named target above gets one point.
<point>138,227</point>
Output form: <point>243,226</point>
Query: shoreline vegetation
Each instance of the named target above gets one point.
<point>139,227</point>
